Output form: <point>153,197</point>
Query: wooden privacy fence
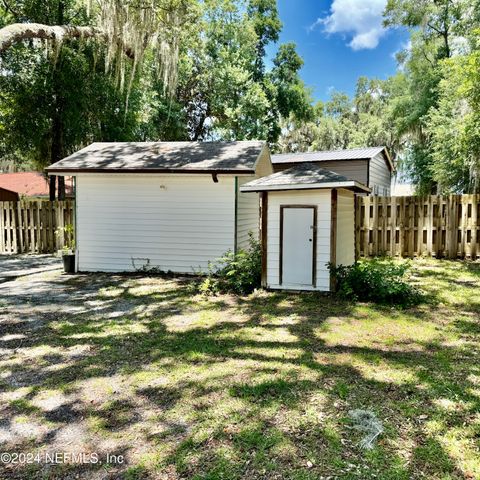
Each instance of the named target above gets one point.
<point>439,226</point>
<point>29,226</point>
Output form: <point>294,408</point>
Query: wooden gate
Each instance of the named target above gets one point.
<point>438,226</point>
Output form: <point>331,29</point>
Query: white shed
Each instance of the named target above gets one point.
<point>307,222</point>
<point>175,206</point>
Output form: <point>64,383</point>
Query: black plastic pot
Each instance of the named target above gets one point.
<point>69,263</point>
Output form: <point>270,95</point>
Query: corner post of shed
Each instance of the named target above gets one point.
<point>333,236</point>
<point>263,235</point>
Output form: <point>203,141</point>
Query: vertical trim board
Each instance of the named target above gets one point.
<point>333,236</point>
<point>264,238</point>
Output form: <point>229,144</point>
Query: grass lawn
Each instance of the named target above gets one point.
<point>254,388</point>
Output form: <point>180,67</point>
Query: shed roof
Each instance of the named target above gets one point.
<point>332,155</point>
<point>30,184</point>
<point>301,177</point>
<point>186,157</point>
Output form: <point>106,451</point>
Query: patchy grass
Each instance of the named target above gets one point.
<point>257,387</point>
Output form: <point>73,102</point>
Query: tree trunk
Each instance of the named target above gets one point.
<point>52,182</point>
<point>57,151</point>
<point>61,188</point>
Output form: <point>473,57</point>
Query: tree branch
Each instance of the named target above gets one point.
<point>8,8</point>
<point>25,31</point>
<point>436,29</point>
<point>17,32</point>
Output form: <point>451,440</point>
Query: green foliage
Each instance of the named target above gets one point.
<point>427,114</point>
<point>238,273</point>
<point>454,126</point>
<point>267,26</point>
<point>68,234</point>
<point>56,100</point>
<point>379,280</point>
<point>223,84</point>
<point>342,122</point>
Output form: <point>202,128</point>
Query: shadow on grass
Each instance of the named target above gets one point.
<point>273,377</point>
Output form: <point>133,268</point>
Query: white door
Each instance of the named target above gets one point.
<point>297,246</point>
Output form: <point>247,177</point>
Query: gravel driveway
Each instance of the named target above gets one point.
<point>14,266</point>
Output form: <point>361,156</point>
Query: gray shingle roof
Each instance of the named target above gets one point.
<point>328,155</point>
<point>302,176</point>
<point>163,157</point>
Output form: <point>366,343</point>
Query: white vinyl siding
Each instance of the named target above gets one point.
<point>380,175</point>
<point>320,198</point>
<point>248,214</point>
<point>176,222</point>
<point>248,204</point>
<point>345,249</point>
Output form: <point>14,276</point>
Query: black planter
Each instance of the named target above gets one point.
<point>69,263</point>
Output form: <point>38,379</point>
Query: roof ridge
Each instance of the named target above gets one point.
<point>165,157</point>
<point>330,151</point>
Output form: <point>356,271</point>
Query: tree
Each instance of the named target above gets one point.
<point>440,21</point>
<point>56,100</point>
<point>267,26</point>
<point>291,94</point>
<point>454,127</point>
<point>342,122</point>
<point>223,85</point>
<point>127,29</point>
<point>438,28</point>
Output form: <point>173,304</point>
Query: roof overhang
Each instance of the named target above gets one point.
<point>389,159</point>
<point>75,171</point>
<point>350,185</point>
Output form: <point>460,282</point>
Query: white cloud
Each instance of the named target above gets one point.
<point>360,20</point>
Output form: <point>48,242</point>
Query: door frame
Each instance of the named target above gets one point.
<point>314,240</point>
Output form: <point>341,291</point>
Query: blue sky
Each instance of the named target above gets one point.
<point>339,40</point>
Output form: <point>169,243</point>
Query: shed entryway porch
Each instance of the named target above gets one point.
<point>307,222</point>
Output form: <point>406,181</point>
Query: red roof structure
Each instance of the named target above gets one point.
<point>31,184</point>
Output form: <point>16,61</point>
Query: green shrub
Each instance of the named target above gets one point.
<point>238,273</point>
<point>379,280</point>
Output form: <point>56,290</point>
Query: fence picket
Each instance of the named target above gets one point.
<point>475,224</point>
<point>29,226</point>
<point>440,226</point>
<point>385,225</point>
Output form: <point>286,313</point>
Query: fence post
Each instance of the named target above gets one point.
<point>366,228</point>
<point>475,234</point>
<point>465,251</point>
<point>8,225</point>
<point>2,227</point>
<point>393,221</point>
<point>374,225</point>
<point>59,224</point>
<point>442,213</point>
<point>357,213</point>
<point>420,226</point>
